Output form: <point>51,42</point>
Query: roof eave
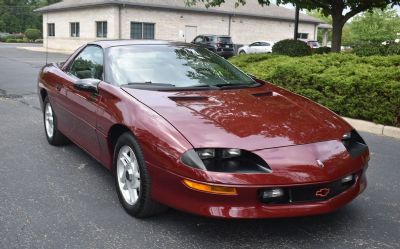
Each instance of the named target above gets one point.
<point>213,11</point>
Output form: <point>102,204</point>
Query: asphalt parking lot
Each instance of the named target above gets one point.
<point>59,197</point>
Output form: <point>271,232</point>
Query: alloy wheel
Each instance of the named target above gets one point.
<point>49,120</point>
<point>128,174</point>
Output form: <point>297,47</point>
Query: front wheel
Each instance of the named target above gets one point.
<point>53,135</point>
<point>132,179</point>
<point>242,52</point>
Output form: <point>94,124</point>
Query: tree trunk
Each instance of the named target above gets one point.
<point>337,28</point>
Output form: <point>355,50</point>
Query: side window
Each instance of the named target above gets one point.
<point>255,44</point>
<point>88,64</point>
<point>198,39</point>
<point>265,44</point>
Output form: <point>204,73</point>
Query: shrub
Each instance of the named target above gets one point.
<point>16,36</point>
<point>322,50</point>
<point>33,34</point>
<point>291,48</point>
<point>368,49</point>
<point>358,87</point>
<point>39,41</point>
<point>4,36</point>
<point>11,40</point>
<point>393,49</point>
<point>14,40</point>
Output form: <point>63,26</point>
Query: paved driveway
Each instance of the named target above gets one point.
<point>61,198</point>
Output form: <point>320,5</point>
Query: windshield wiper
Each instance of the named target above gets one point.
<point>150,84</point>
<point>228,85</point>
<point>202,86</point>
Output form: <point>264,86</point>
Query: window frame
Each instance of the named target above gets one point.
<point>75,25</point>
<point>142,26</point>
<point>71,63</point>
<point>101,34</point>
<point>51,32</point>
<point>265,44</point>
<point>301,36</point>
<point>255,44</point>
<point>200,38</point>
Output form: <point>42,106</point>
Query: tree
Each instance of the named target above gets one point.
<point>340,10</point>
<point>377,26</point>
<point>17,15</point>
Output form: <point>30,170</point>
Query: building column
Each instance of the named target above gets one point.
<point>325,38</point>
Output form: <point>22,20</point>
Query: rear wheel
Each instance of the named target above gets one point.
<point>132,180</point>
<point>53,135</point>
<point>242,52</point>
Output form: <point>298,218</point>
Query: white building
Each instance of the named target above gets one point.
<point>70,23</point>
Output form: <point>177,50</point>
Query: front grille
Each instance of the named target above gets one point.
<point>310,193</point>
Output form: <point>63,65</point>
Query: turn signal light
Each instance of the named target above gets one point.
<point>212,189</point>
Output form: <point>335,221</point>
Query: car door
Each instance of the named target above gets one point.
<point>253,48</point>
<point>265,47</point>
<point>83,105</point>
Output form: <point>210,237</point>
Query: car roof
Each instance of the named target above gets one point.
<point>116,43</point>
<point>214,35</point>
<point>264,41</point>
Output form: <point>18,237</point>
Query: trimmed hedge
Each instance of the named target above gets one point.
<point>370,49</point>
<point>393,49</point>
<point>358,87</point>
<point>14,40</point>
<point>322,50</point>
<point>291,48</point>
<point>33,34</point>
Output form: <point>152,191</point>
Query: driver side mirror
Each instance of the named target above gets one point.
<point>87,85</point>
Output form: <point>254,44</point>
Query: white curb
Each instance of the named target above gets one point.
<point>377,129</point>
<point>43,50</point>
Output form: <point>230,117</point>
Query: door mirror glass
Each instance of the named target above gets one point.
<point>87,85</point>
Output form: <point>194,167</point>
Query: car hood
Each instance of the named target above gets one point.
<point>251,118</point>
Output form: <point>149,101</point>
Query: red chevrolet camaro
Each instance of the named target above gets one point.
<point>180,126</point>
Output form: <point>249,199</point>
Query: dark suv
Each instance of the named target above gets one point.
<point>219,44</point>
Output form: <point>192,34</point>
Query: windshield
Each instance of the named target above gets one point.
<point>172,66</point>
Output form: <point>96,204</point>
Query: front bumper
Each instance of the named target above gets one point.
<point>246,204</point>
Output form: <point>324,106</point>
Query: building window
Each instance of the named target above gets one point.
<point>302,36</point>
<point>74,29</point>
<point>51,29</point>
<point>148,31</point>
<point>141,30</point>
<point>101,29</point>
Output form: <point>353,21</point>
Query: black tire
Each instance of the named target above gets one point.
<point>145,206</point>
<point>242,52</point>
<point>57,138</point>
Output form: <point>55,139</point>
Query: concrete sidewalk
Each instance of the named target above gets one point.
<point>373,128</point>
<point>44,50</point>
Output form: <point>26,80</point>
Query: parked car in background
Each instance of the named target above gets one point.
<point>219,44</point>
<point>313,44</point>
<point>258,47</point>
